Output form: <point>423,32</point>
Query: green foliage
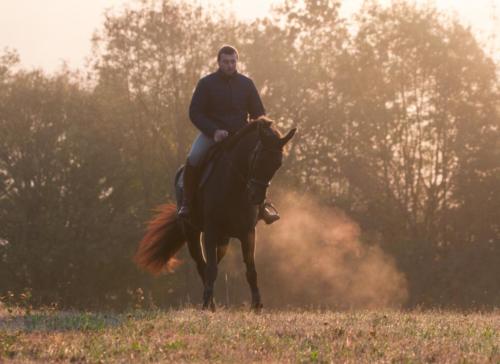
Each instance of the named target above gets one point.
<point>399,127</point>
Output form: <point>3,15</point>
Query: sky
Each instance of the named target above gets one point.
<point>49,33</point>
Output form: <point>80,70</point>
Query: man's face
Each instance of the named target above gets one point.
<point>227,63</point>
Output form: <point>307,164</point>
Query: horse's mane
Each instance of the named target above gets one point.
<point>231,141</point>
<point>253,125</point>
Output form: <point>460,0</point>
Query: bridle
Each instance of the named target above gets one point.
<point>249,180</point>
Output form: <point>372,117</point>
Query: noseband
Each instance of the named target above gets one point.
<point>255,181</point>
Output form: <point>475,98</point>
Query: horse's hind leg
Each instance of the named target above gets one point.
<point>248,249</point>
<point>194,245</point>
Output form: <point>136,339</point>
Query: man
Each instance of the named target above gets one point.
<point>221,104</point>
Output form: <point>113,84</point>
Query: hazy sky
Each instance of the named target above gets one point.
<point>46,33</point>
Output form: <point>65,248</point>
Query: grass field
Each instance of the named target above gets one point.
<point>239,336</point>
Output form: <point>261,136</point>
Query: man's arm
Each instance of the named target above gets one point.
<point>197,110</point>
<point>255,106</point>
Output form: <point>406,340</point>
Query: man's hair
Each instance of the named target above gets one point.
<point>227,49</point>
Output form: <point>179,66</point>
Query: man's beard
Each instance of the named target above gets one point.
<point>229,72</point>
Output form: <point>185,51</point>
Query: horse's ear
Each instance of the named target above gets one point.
<point>288,136</point>
<point>263,124</point>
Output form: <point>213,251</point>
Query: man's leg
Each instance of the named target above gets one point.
<point>198,150</point>
<point>189,188</point>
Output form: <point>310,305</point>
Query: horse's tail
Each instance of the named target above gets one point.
<point>164,237</point>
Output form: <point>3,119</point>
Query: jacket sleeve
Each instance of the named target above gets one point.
<point>255,106</point>
<point>198,108</point>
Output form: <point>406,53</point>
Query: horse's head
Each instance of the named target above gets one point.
<point>265,160</point>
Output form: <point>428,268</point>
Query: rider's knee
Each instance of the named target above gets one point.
<point>194,159</point>
<point>200,146</point>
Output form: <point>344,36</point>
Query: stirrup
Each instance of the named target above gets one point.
<point>268,213</point>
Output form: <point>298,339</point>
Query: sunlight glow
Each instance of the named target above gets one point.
<point>50,32</point>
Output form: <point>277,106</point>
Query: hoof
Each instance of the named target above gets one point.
<point>209,303</point>
<point>209,306</point>
<point>257,307</point>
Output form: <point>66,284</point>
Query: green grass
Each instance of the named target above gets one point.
<point>239,336</point>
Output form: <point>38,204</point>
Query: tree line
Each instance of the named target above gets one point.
<point>398,110</point>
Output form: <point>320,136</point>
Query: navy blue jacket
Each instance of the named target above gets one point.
<point>224,102</point>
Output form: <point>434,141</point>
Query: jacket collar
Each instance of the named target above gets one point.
<point>226,77</point>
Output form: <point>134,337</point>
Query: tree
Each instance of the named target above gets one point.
<point>421,103</point>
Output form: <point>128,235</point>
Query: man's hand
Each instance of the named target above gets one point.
<point>220,134</point>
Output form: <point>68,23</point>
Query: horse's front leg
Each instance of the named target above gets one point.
<point>210,242</point>
<point>248,249</point>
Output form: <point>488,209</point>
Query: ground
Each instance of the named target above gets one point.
<point>240,336</point>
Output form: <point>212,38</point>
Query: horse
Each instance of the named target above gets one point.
<point>226,206</point>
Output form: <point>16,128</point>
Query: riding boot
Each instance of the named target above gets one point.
<point>190,182</point>
<point>268,213</point>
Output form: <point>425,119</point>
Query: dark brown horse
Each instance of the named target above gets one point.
<point>226,206</point>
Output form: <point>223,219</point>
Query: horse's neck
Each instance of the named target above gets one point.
<point>240,156</point>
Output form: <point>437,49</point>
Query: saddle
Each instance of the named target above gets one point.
<point>209,160</point>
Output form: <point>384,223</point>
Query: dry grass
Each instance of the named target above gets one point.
<point>237,336</point>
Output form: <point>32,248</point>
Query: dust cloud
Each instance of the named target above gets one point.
<point>314,257</point>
